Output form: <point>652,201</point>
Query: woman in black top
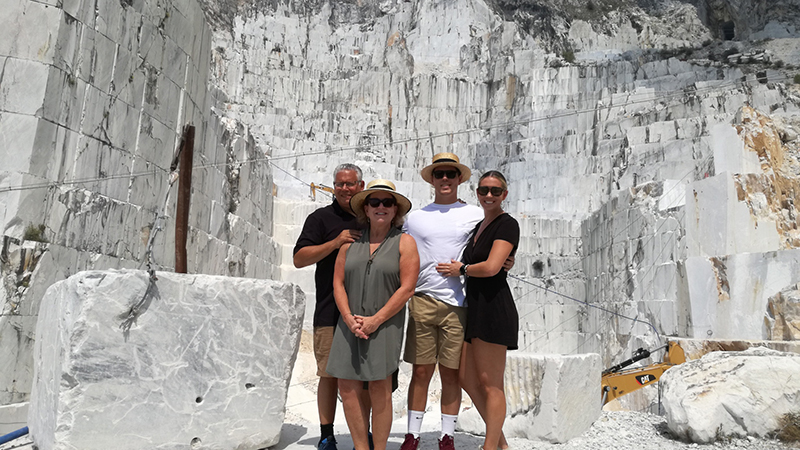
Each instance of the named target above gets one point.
<point>492,319</point>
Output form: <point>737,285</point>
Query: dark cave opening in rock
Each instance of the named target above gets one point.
<point>728,31</point>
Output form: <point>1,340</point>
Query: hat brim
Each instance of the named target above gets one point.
<point>427,172</point>
<point>357,201</point>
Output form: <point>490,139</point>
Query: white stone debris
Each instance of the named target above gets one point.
<point>187,361</point>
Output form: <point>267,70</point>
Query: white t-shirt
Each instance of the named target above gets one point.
<point>441,232</point>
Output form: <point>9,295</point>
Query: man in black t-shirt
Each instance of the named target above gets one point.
<point>324,231</point>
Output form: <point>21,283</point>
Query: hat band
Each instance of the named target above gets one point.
<point>441,160</point>
<point>381,186</point>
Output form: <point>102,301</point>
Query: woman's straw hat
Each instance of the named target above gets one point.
<point>380,185</point>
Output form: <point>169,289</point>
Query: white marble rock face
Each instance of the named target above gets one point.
<point>192,361</point>
<point>731,393</point>
<point>548,397</point>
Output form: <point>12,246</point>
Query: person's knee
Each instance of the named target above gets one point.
<point>349,388</point>
<point>448,375</point>
<point>422,373</point>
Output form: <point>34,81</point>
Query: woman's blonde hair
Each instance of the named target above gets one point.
<point>497,175</point>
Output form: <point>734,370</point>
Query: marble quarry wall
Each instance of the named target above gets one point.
<point>93,101</point>
<point>598,150</point>
<point>605,122</point>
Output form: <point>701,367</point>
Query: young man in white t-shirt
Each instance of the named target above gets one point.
<point>437,314</point>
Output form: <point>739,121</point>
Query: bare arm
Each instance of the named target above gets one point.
<point>498,257</point>
<point>340,294</point>
<point>409,271</point>
<point>313,254</point>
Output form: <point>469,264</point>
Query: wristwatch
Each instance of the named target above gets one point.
<point>463,269</point>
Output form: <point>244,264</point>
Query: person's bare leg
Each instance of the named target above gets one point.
<point>327,388</point>
<point>418,388</point>
<point>366,406</point>
<point>354,412</point>
<point>451,390</point>
<point>380,393</point>
<point>469,382</point>
<point>490,365</point>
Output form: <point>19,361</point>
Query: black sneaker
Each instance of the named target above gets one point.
<point>329,443</point>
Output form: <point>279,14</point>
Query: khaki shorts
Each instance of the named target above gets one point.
<point>435,332</point>
<point>323,338</point>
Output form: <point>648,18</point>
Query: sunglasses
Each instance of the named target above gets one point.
<point>348,184</point>
<point>387,202</point>
<point>496,191</point>
<point>451,174</point>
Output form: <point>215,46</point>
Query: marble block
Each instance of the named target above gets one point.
<point>729,296</point>
<point>548,397</point>
<point>718,223</point>
<point>731,394</point>
<point>187,361</point>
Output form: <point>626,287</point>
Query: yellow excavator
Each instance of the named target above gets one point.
<point>618,381</point>
<point>314,188</point>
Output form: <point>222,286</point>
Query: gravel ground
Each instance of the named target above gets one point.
<point>613,430</point>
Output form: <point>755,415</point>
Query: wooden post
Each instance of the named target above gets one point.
<point>184,198</point>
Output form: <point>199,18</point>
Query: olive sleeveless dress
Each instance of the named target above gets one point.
<point>369,282</point>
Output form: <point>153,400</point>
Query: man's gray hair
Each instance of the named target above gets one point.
<point>348,166</point>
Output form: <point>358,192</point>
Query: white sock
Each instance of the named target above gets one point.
<point>449,424</point>
<point>415,422</point>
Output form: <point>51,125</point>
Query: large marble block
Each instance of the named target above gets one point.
<point>728,295</point>
<point>187,361</point>
<point>719,223</point>
<point>731,394</point>
<point>548,397</point>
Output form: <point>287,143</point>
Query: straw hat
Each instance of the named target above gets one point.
<point>379,185</point>
<point>445,159</point>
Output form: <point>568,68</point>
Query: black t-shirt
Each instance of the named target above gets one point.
<point>321,226</point>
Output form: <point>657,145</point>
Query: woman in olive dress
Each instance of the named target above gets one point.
<point>373,279</point>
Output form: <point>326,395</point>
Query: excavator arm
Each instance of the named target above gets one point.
<point>618,381</point>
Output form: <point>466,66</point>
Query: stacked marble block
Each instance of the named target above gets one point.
<point>633,246</point>
<point>739,252</point>
<point>548,397</point>
<point>548,263</point>
<point>187,361</point>
<point>119,112</point>
<point>289,216</point>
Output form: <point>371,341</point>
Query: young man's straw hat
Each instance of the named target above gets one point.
<point>445,159</point>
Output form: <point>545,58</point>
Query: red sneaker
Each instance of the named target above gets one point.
<point>446,443</point>
<point>411,443</point>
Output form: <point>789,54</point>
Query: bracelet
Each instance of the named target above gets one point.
<point>463,270</point>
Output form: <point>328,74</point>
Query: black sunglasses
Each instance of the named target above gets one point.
<point>387,202</point>
<point>496,191</point>
<point>451,174</point>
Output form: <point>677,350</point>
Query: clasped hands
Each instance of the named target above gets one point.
<point>361,326</point>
